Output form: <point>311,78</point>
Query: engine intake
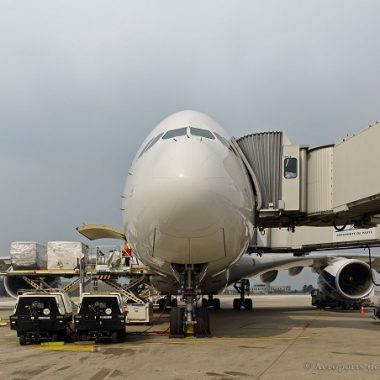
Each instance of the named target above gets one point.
<point>348,278</point>
<point>13,284</point>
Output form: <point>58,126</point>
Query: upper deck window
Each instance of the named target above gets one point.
<point>223,140</point>
<point>175,133</point>
<point>202,132</point>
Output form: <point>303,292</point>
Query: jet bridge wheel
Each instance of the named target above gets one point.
<point>202,328</point>
<point>176,322</point>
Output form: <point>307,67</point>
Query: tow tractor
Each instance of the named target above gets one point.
<point>41,316</point>
<point>100,316</point>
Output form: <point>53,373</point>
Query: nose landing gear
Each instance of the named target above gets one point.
<point>189,320</point>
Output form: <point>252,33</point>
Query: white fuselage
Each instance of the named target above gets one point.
<point>188,198</point>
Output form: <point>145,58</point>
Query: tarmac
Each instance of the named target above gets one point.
<point>284,337</point>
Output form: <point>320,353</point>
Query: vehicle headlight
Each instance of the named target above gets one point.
<point>108,311</point>
<point>46,311</point>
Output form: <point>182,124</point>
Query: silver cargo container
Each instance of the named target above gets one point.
<point>28,255</point>
<point>65,254</point>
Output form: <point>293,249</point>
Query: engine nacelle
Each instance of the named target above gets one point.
<point>13,284</point>
<point>269,276</point>
<point>347,278</point>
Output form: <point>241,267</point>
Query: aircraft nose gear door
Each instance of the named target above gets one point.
<point>189,320</point>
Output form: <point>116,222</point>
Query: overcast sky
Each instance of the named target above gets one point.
<point>83,82</point>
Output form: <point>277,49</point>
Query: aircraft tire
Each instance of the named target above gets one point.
<point>237,304</point>
<point>248,304</point>
<point>202,328</point>
<point>176,322</point>
<point>216,303</point>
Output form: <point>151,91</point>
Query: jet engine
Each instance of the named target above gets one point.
<point>347,278</point>
<point>13,284</point>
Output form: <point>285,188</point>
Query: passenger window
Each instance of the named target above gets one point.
<point>175,133</point>
<point>202,132</point>
<point>153,142</point>
<point>222,139</point>
<point>290,168</point>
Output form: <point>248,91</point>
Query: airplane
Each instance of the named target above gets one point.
<point>189,210</point>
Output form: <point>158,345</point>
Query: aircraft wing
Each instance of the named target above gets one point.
<point>251,265</point>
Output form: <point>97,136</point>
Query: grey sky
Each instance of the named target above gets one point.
<point>83,82</point>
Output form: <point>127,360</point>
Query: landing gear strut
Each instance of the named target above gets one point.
<point>242,288</point>
<point>189,320</point>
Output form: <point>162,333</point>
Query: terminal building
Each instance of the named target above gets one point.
<point>268,289</point>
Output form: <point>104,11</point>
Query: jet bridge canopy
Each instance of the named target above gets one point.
<point>332,185</point>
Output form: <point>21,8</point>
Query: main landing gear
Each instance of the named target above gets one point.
<point>189,320</point>
<point>211,301</point>
<point>242,288</point>
<point>167,301</point>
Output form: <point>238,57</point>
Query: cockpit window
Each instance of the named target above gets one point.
<point>150,144</point>
<point>202,132</point>
<point>142,152</point>
<point>175,133</point>
<point>153,142</point>
<point>222,139</point>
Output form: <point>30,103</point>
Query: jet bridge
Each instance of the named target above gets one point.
<point>334,185</point>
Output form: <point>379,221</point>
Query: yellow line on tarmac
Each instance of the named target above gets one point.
<point>66,347</point>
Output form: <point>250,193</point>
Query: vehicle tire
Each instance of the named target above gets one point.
<point>216,303</point>
<point>161,304</point>
<point>115,337</point>
<point>22,340</point>
<point>176,322</point>
<point>174,302</point>
<point>248,304</point>
<point>202,328</point>
<point>237,303</point>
